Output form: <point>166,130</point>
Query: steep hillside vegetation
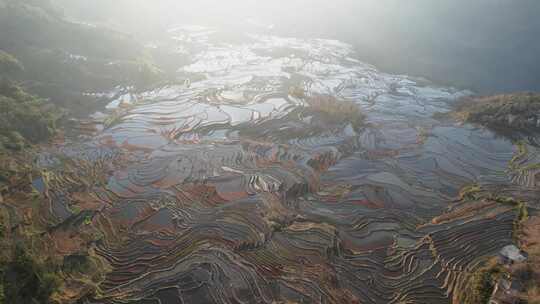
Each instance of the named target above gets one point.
<point>62,59</point>
<point>509,112</point>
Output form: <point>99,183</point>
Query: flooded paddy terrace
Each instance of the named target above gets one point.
<point>246,184</point>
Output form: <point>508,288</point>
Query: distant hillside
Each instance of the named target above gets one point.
<point>63,59</point>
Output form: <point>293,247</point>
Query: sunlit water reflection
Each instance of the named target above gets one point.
<point>231,194</point>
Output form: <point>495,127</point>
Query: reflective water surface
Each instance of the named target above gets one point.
<point>230,188</point>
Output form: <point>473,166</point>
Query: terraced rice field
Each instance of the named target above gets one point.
<point>247,185</point>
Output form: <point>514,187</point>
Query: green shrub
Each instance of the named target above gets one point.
<point>26,281</point>
<point>23,117</point>
<point>9,64</point>
<point>481,283</point>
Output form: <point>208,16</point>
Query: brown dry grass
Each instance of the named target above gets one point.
<point>479,286</point>
<point>530,242</point>
<point>336,110</point>
<point>494,111</point>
